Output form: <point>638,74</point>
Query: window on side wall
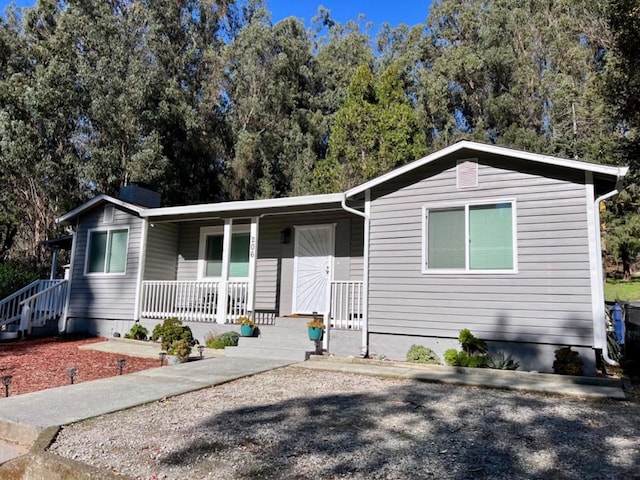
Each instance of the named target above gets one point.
<point>473,238</point>
<point>107,251</point>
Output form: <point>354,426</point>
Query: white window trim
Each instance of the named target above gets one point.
<point>466,270</point>
<point>218,230</point>
<point>108,230</point>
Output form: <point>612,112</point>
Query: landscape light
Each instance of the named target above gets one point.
<point>71,373</point>
<point>161,355</point>
<point>6,381</point>
<point>120,364</point>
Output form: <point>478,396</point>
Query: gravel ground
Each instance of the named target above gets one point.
<point>295,424</point>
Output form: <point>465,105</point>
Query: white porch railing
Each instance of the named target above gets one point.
<point>345,306</point>
<point>194,301</point>
<point>11,307</point>
<point>45,305</point>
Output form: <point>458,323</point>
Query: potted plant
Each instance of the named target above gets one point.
<point>246,326</point>
<point>176,339</point>
<point>315,328</point>
<point>179,351</point>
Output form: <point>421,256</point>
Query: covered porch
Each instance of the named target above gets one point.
<point>261,259</point>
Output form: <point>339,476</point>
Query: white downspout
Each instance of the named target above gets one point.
<point>600,313</point>
<point>365,268</point>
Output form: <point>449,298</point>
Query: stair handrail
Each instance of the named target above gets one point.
<point>9,312</point>
<point>42,292</point>
<point>19,292</point>
<point>27,304</point>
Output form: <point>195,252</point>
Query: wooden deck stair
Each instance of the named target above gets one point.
<point>287,339</point>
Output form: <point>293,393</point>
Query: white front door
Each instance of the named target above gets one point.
<point>313,267</point>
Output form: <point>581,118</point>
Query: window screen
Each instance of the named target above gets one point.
<point>446,239</point>
<point>482,235</point>
<point>108,251</point>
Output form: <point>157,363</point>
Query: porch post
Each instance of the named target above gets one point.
<point>223,288</point>
<point>253,260</point>
<point>54,263</point>
<point>141,266</point>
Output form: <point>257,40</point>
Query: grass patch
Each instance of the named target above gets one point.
<point>626,290</point>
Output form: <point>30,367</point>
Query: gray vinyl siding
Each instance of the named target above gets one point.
<point>547,301</point>
<point>161,252</point>
<point>108,296</point>
<point>188,248</point>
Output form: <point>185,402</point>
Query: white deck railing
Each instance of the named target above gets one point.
<point>45,305</point>
<point>345,305</point>
<point>194,301</point>
<point>11,307</point>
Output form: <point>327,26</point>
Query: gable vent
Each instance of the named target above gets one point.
<point>107,216</point>
<point>467,173</point>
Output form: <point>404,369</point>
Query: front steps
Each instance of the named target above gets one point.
<point>287,339</point>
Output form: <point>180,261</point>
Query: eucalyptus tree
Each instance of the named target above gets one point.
<point>39,105</point>
<point>187,41</point>
<point>622,91</point>
<point>523,74</point>
<point>271,88</point>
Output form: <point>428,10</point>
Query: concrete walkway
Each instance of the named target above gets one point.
<point>23,417</point>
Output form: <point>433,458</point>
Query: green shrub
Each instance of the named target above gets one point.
<point>473,354</point>
<point>502,361</point>
<point>227,339</point>
<point>567,362</point>
<point>420,354</point>
<point>137,332</point>
<point>453,357</point>
<point>13,277</point>
<point>457,358</point>
<point>470,343</point>
<point>170,332</point>
<point>476,361</point>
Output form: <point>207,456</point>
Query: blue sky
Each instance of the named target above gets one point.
<point>378,12</point>
<point>410,12</point>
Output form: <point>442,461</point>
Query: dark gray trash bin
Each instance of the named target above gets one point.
<point>631,359</point>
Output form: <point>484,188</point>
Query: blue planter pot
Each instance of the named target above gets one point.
<point>246,330</point>
<point>315,333</point>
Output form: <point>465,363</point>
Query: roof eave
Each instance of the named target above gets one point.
<point>239,206</point>
<point>607,170</point>
<point>67,217</point>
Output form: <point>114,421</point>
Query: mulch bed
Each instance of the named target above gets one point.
<point>41,363</point>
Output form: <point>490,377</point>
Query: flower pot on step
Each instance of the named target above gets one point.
<point>315,333</point>
<point>246,330</point>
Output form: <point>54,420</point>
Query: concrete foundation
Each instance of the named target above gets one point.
<point>535,357</point>
<point>532,357</point>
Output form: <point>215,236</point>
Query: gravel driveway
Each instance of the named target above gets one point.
<point>296,424</point>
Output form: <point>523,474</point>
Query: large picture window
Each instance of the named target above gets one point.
<point>107,251</point>
<point>472,237</point>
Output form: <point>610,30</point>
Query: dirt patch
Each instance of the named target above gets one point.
<point>41,363</point>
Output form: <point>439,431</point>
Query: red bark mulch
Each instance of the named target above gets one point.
<point>41,363</point>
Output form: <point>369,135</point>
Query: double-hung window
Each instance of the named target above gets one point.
<point>212,240</point>
<point>473,237</point>
<point>107,251</point>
